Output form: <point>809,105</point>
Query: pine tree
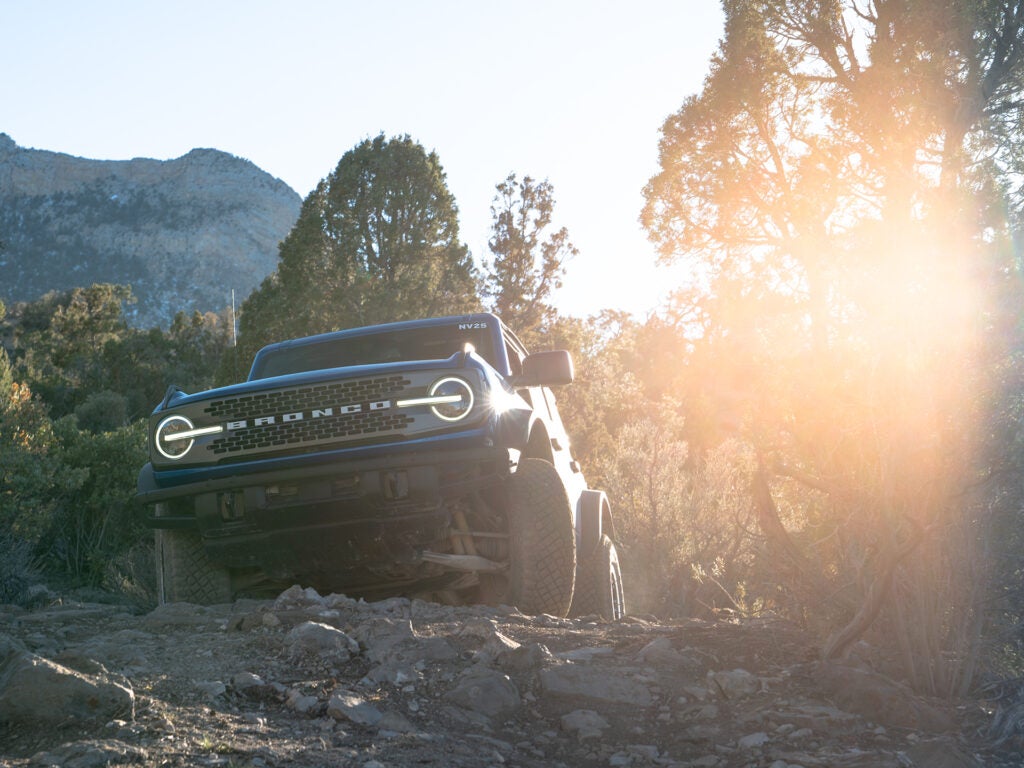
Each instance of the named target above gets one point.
<point>839,189</point>
<point>376,241</point>
<point>529,258</point>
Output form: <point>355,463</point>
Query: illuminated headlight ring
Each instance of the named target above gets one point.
<point>175,436</point>
<point>451,398</point>
<point>168,437</point>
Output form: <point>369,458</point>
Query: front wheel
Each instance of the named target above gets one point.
<point>542,540</point>
<point>185,573</point>
<point>599,584</point>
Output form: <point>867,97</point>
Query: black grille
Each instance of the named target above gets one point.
<point>348,426</point>
<point>335,394</point>
<point>307,407</point>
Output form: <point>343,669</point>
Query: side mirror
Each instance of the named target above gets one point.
<point>546,369</point>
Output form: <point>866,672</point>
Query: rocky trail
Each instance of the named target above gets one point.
<point>307,680</point>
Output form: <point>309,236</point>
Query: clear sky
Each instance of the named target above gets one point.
<point>571,91</point>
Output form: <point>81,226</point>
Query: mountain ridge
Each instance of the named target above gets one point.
<point>181,232</point>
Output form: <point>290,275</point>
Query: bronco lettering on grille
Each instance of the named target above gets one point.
<point>315,413</point>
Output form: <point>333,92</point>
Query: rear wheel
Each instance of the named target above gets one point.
<point>542,540</point>
<point>185,573</point>
<point>599,584</point>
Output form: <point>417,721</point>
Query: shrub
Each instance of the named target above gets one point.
<point>102,412</point>
<point>94,519</point>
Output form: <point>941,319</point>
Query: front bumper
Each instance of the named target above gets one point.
<point>431,474</point>
<point>326,517</point>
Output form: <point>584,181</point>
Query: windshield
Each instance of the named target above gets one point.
<point>433,342</point>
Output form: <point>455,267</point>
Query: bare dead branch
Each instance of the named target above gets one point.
<point>840,642</point>
<point>778,537</point>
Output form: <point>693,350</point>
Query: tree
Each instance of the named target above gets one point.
<point>28,473</point>
<point>61,338</point>
<point>67,484</point>
<point>837,185</point>
<point>198,342</point>
<point>95,523</point>
<point>377,240</point>
<point>529,258</point>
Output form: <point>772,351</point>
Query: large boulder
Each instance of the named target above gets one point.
<point>39,691</point>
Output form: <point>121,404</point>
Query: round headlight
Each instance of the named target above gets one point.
<point>169,438</point>
<point>457,396</point>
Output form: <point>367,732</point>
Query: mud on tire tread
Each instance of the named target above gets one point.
<point>599,584</point>
<point>543,540</point>
<point>185,573</point>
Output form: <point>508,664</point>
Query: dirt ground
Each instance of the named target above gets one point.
<point>310,680</point>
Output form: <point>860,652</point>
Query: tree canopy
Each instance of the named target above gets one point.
<point>377,240</point>
<point>76,386</point>
<point>839,188</point>
<point>529,254</point>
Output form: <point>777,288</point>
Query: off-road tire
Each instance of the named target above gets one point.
<point>599,584</point>
<point>542,540</point>
<point>185,573</point>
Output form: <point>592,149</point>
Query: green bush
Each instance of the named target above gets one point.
<point>102,412</point>
<point>18,569</point>
<point>94,520</point>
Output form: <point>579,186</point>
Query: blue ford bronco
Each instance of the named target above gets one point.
<point>422,458</point>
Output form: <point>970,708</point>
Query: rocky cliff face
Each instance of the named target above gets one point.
<point>181,232</point>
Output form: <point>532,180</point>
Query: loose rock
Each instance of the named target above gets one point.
<point>486,691</point>
<point>429,684</point>
<point>345,705</point>
<point>35,690</point>
<point>580,680</point>
<point>585,723</point>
